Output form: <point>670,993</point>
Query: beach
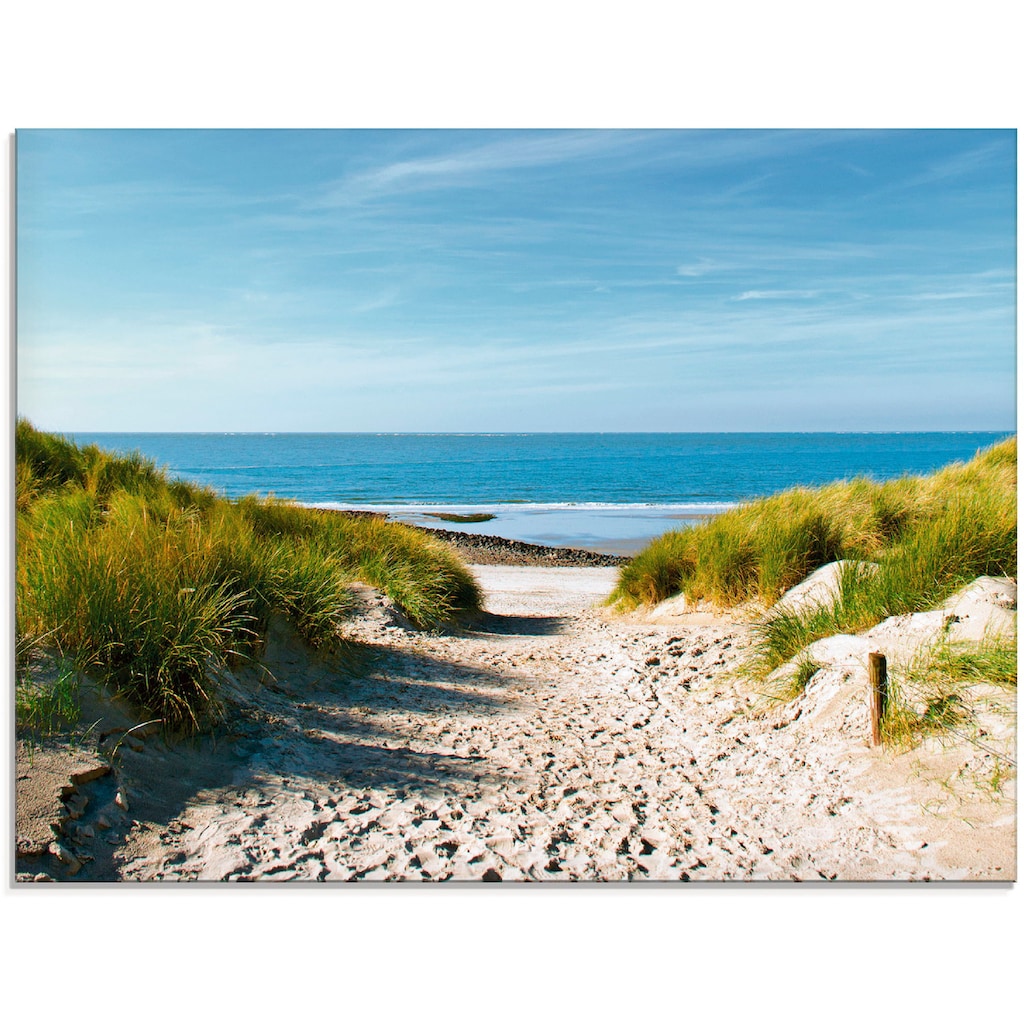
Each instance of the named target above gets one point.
<point>547,740</point>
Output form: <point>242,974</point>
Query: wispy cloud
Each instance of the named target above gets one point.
<point>374,303</point>
<point>976,293</point>
<point>778,293</point>
<point>472,163</point>
<point>701,268</point>
<point>693,151</point>
<point>960,164</point>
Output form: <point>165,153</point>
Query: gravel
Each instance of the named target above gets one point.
<point>483,550</point>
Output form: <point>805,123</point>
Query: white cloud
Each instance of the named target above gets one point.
<point>700,268</point>
<point>463,166</point>
<point>778,293</point>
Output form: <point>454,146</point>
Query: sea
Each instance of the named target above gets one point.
<point>604,492</point>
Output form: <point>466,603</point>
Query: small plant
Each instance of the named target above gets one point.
<point>935,694</point>
<point>805,671</point>
<point>48,707</point>
<point>859,602</point>
<point>791,685</point>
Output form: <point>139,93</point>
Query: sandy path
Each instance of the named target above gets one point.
<point>545,743</point>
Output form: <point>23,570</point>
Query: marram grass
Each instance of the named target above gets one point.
<point>151,583</point>
<point>929,535</point>
<point>939,691</point>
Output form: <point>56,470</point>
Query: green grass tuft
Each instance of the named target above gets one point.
<point>46,707</point>
<point>793,684</point>
<point>936,695</point>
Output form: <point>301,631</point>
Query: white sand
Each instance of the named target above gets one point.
<point>550,742</point>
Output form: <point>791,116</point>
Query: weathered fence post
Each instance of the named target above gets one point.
<point>878,692</point>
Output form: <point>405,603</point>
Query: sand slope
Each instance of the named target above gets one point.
<point>547,742</point>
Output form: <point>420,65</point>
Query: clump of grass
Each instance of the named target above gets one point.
<point>970,536</point>
<point>754,552</point>
<point>422,576</point>
<point>429,583</point>
<point>47,706</point>
<point>805,671</point>
<point>935,694</point>
<point>132,599</point>
<point>150,583</point>
<point>792,684</point>
<point>283,571</point>
<point>861,600</point>
<point>993,661</point>
<point>50,461</point>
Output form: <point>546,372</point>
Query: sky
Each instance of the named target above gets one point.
<point>611,280</point>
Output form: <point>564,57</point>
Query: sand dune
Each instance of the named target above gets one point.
<point>549,741</point>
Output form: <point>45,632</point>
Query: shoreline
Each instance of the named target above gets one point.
<point>484,549</point>
<point>606,529</point>
<point>488,549</point>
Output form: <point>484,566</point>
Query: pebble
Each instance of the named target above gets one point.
<point>66,857</point>
<point>483,549</point>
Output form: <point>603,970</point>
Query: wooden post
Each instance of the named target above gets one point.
<point>878,691</point>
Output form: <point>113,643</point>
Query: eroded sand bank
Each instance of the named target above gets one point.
<point>547,742</point>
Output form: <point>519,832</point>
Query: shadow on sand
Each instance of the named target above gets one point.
<point>324,727</point>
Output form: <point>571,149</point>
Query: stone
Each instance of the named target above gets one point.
<point>66,857</point>
<point>97,771</point>
<point>76,805</point>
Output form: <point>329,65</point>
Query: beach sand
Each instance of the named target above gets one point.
<point>545,741</point>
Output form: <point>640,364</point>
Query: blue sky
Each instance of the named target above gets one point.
<point>507,280</point>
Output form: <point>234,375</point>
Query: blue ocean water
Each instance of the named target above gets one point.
<point>606,491</point>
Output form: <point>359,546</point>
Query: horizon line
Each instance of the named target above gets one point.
<point>530,433</point>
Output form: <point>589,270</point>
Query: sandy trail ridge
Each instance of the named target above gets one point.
<point>547,742</point>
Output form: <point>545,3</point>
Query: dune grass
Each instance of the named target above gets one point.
<point>930,533</point>
<point>973,535</point>
<point>149,583</point>
<point>924,537</point>
<point>788,687</point>
<point>939,691</point>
